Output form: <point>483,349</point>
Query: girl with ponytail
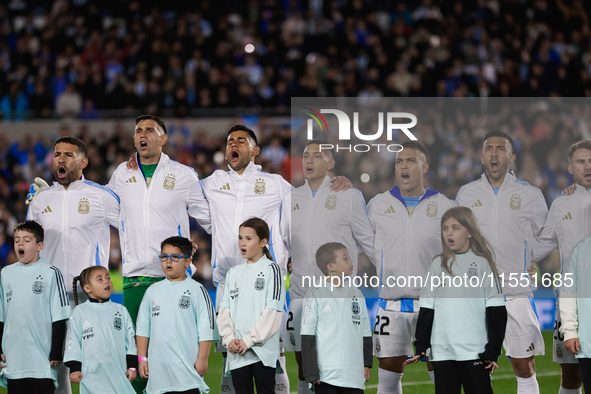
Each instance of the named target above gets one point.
<point>100,351</point>
<point>251,310</point>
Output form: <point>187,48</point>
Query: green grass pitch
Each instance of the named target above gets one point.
<point>416,379</point>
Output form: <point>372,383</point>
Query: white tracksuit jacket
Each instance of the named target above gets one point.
<point>327,217</point>
<point>509,220</point>
<point>233,198</point>
<point>568,223</point>
<point>405,245</point>
<point>76,224</point>
<point>149,215</point>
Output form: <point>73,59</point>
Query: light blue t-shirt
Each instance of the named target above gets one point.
<point>176,316</point>
<point>339,320</point>
<point>100,336</point>
<point>411,202</point>
<point>33,296</point>
<point>459,326</point>
<point>249,290</point>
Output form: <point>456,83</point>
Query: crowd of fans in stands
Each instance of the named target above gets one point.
<point>75,58</point>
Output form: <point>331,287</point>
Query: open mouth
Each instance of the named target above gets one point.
<point>308,170</point>
<point>234,156</point>
<point>450,242</point>
<point>494,165</point>
<point>243,251</point>
<point>61,172</point>
<point>107,288</point>
<point>21,253</point>
<point>143,144</point>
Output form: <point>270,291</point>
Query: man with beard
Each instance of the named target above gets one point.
<point>510,213</point>
<point>236,195</point>
<point>567,225</point>
<point>75,214</point>
<point>407,237</point>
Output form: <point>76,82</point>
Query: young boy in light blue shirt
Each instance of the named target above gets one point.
<point>336,334</point>
<point>34,309</point>
<point>175,326</point>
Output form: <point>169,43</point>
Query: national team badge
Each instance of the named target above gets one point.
<point>117,322</point>
<point>83,206</point>
<point>431,210</point>
<point>259,283</point>
<point>292,339</point>
<point>515,202</point>
<point>38,285</point>
<point>169,182</point>
<point>185,301</point>
<point>472,271</point>
<point>331,202</point>
<point>378,346</point>
<point>259,186</point>
<point>355,306</point>
<point>559,353</point>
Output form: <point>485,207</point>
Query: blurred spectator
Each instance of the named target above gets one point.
<point>69,103</point>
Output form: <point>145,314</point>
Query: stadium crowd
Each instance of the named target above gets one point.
<point>80,59</point>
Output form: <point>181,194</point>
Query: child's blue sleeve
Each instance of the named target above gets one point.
<point>143,317</point>
<point>60,304</point>
<point>74,340</point>
<point>309,314</point>
<point>275,288</point>
<point>130,346</point>
<point>205,315</point>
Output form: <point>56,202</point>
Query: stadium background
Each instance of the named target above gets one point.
<point>79,68</point>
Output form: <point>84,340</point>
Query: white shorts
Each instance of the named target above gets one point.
<point>560,354</point>
<point>523,337</point>
<point>293,326</point>
<point>394,330</point>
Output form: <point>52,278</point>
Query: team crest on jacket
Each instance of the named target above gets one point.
<point>185,301</point>
<point>259,283</point>
<point>355,306</point>
<point>515,202</point>
<point>331,202</point>
<point>169,182</point>
<point>292,339</point>
<point>83,206</point>
<point>117,322</point>
<point>431,210</point>
<point>378,346</point>
<point>259,186</point>
<point>38,285</point>
<point>472,271</point>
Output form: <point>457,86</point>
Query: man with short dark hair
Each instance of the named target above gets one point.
<point>407,227</point>
<point>510,213</point>
<point>156,201</point>
<point>76,215</point>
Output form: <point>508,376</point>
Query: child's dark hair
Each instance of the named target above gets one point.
<point>262,229</point>
<point>326,255</point>
<point>182,243</point>
<point>32,227</point>
<point>84,278</point>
